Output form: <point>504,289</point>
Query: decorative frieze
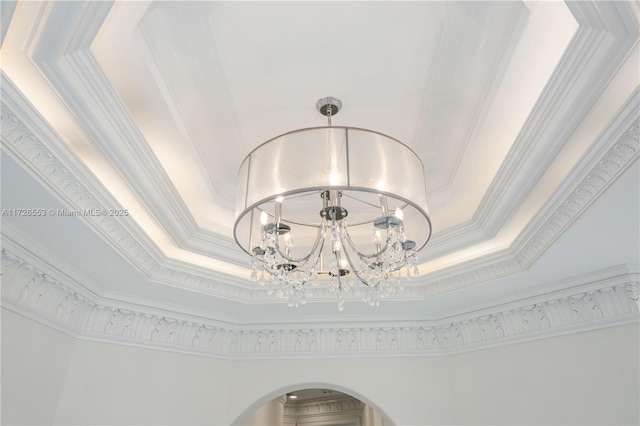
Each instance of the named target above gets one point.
<point>119,230</point>
<point>26,286</point>
<point>532,244</point>
<point>345,406</point>
<point>34,292</point>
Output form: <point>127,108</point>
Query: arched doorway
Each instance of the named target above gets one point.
<point>315,407</point>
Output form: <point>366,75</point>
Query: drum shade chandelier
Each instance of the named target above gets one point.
<point>342,203</point>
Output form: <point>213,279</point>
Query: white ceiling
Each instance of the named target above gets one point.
<point>520,111</point>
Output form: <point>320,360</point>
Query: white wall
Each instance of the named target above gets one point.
<point>34,366</point>
<point>114,384</point>
<point>585,378</point>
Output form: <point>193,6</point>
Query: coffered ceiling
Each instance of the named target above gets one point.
<point>523,113</point>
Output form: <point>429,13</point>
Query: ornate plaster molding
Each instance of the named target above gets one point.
<point>20,141</point>
<point>29,139</point>
<point>600,44</point>
<point>546,228</point>
<point>625,151</point>
<point>35,293</point>
<point>122,232</point>
<point>337,406</point>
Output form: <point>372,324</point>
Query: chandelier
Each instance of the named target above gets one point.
<point>333,207</point>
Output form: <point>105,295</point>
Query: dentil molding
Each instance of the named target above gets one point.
<point>63,304</point>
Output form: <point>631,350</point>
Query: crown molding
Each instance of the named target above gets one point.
<point>597,50</point>
<point>616,149</point>
<point>83,19</point>
<point>70,67</point>
<point>585,70</point>
<point>101,113</point>
<point>344,406</point>
<point>37,152</point>
<point>121,233</point>
<point>31,141</point>
<point>619,18</point>
<point>45,295</point>
<point>28,139</point>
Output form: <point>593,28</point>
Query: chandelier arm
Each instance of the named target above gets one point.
<point>270,272</point>
<point>271,269</point>
<point>355,270</point>
<point>394,267</point>
<point>362,255</point>
<point>397,266</point>
<point>303,259</point>
<point>319,253</point>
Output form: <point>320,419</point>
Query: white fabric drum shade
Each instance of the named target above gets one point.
<point>363,165</point>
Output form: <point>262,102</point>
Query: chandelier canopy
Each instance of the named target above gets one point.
<point>333,202</point>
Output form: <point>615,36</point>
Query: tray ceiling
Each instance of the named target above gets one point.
<point>152,106</point>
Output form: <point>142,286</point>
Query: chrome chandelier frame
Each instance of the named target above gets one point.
<point>352,236</point>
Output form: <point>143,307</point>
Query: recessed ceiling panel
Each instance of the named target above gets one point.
<point>497,99</point>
